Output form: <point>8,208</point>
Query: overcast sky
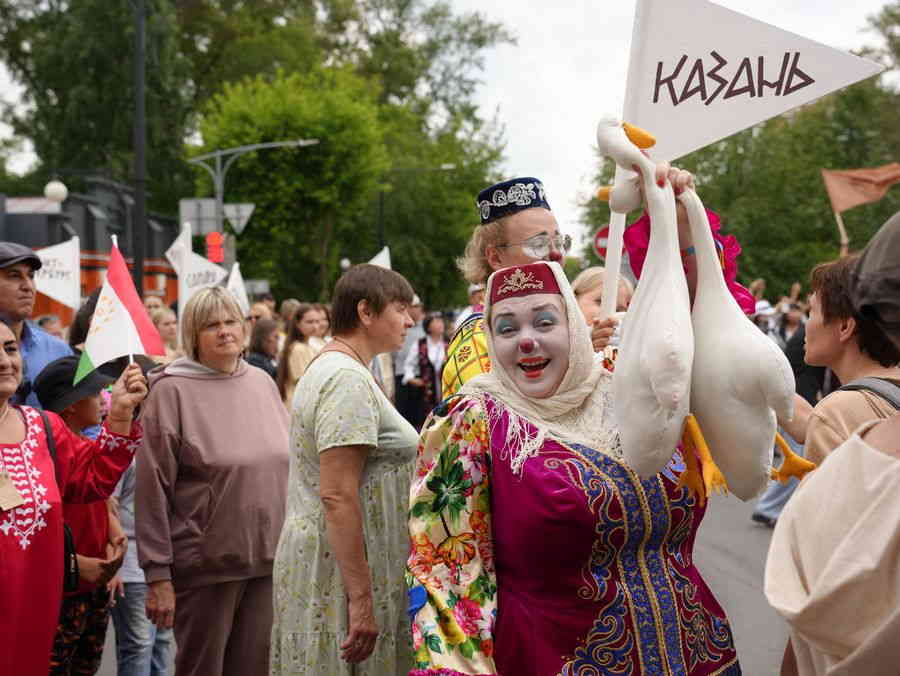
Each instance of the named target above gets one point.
<point>568,69</point>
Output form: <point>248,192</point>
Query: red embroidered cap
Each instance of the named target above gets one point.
<point>522,280</point>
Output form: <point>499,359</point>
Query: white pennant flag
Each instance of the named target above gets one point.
<point>382,258</point>
<point>182,245</point>
<point>238,289</point>
<point>197,273</point>
<point>700,72</point>
<point>60,273</point>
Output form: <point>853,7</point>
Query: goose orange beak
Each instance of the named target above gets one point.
<point>603,193</point>
<point>639,137</point>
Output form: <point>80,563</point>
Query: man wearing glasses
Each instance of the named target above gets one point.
<point>517,228</point>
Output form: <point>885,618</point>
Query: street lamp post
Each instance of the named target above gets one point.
<point>139,222</point>
<point>222,161</point>
<point>447,166</point>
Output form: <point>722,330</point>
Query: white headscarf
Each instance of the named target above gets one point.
<point>581,409</point>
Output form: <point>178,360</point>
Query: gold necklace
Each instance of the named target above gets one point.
<point>351,348</point>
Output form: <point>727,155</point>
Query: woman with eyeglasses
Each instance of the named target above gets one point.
<point>517,227</point>
<point>210,493</point>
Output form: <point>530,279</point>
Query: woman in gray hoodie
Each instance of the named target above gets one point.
<point>210,494</point>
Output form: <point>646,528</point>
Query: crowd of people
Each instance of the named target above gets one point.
<point>358,488</point>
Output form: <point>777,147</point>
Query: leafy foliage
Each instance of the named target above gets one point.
<point>304,196</point>
<point>76,62</point>
<point>404,73</point>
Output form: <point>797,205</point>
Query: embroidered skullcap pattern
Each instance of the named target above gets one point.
<point>522,281</point>
<point>509,197</point>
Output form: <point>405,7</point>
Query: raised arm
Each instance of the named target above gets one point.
<point>90,468</point>
<point>450,571</point>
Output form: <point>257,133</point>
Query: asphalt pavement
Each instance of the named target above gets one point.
<point>731,555</point>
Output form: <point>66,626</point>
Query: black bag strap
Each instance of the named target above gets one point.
<point>51,446</point>
<point>882,387</point>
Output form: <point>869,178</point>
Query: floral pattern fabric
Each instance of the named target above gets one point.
<point>338,403</point>
<point>577,566</point>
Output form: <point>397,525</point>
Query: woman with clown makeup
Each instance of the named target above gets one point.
<point>534,548</point>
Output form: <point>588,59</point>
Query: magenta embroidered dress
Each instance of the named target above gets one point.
<point>576,566</point>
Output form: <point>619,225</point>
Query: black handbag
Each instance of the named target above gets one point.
<point>71,579</point>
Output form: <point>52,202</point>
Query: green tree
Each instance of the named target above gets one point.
<point>305,197</point>
<point>225,41</point>
<point>75,61</point>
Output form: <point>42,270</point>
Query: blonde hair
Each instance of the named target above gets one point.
<point>202,307</point>
<point>593,277</point>
<point>588,280</point>
<point>158,315</point>
<point>474,263</point>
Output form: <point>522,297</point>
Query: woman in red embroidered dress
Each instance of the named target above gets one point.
<point>31,492</point>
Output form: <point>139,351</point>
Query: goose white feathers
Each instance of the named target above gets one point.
<point>740,379</point>
<point>652,379</point>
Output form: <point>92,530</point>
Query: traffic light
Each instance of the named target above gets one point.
<point>214,247</point>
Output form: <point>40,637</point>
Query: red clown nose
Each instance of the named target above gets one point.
<point>526,345</point>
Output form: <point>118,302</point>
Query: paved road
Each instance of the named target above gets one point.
<point>731,555</point>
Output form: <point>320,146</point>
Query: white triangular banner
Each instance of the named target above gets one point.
<point>700,72</point>
<point>197,273</point>
<point>237,287</point>
<point>182,245</point>
<point>382,258</point>
<point>60,273</point>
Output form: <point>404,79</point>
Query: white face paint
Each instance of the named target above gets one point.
<point>531,341</point>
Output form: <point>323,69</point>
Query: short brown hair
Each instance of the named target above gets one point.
<point>376,285</point>
<point>831,282</point>
<point>474,263</point>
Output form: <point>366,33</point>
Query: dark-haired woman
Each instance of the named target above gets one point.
<point>424,366</point>
<point>264,346</point>
<point>338,581</point>
<point>298,351</point>
<point>32,490</point>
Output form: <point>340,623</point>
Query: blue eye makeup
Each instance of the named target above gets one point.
<point>546,318</point>
<point>504,325</point>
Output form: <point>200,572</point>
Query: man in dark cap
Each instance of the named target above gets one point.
<point>99,539</point>
<point>17,292</point>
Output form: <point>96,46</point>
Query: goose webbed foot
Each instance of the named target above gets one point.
<point>692,478</point>
<point>793,465</point>
<point>704,470</point>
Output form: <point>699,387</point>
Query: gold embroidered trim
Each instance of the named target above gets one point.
<point>519,281</point>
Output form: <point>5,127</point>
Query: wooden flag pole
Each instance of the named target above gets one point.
<point>845,241</point>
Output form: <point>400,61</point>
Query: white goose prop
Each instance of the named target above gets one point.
<point>739,377</point>
<point>652,379</point>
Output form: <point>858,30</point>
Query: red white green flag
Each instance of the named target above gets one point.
<point>120,325</point>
